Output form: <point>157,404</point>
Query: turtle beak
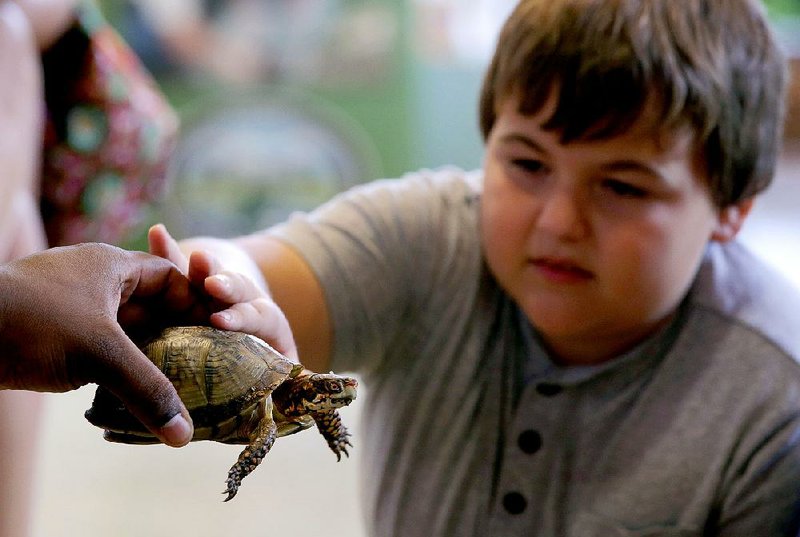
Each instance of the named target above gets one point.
<point>348,395</point>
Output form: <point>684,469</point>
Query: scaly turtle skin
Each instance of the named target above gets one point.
<point>238,390</point>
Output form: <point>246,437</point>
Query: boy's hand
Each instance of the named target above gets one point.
<point>238,303</point>
<point>59,327</point>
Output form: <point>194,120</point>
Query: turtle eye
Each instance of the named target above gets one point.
<point>334,386</point>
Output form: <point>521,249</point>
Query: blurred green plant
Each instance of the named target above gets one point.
<point>780,8</point>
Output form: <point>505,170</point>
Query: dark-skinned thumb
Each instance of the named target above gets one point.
<point>146,393</point>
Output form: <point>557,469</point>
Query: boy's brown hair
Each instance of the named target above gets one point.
<point>711,64</point>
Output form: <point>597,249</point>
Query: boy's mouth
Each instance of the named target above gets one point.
<point>558,270</point>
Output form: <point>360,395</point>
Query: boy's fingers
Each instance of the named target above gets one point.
<point>232,287</point>
<point>262,318</point>
<point>163,245</point>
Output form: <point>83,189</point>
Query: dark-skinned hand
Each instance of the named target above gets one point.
<point>69,316</point>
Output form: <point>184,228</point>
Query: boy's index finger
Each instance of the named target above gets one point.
<point>162,244</point>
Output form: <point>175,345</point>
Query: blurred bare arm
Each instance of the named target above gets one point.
<point>49,19</point>
<point>21,230</point>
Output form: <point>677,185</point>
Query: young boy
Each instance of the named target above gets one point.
<point>569,341</point>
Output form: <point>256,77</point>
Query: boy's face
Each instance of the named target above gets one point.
<point>597,241</point>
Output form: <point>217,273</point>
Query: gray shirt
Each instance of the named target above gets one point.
<point>470,429</point>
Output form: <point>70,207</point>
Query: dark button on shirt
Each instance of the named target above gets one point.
<point>514,503</point>
<point>548,390</point>
<point>529,441</point>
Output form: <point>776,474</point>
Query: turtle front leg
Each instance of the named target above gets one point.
<point>333,430</point>
<point>253,454</point>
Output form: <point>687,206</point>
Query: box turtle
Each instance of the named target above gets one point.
<point>238,390</point>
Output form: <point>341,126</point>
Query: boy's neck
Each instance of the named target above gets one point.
<point>593,351</point>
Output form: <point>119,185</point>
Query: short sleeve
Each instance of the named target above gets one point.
<point>381,251</point>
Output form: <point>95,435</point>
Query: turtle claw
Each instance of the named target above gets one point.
<point>234,481</point>
<point>341,447</point>
<point>335,433</point>
<point>231,492</point>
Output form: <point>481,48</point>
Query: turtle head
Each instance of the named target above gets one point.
<point>314,392</point>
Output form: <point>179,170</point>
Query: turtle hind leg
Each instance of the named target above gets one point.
<point>251,456</point>
<point>333,430</point>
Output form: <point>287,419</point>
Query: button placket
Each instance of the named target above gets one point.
<point>520,484</point>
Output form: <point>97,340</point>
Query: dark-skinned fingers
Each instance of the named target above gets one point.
<point>67,268</point>
<point>202,264</point>
<point>121,275</point>
<point>133,313</point>
<point>176,303</point>
<point>180,295</point>
<point>148,275</point>
<point>117,364</point>
<point>163,245</point>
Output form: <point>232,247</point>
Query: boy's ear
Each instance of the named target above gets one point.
<point>731,219</point>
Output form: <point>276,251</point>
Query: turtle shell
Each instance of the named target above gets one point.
<point>223,377</point>
<point>213,368</point>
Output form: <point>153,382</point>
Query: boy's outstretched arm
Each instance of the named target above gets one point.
<point>262,286</point>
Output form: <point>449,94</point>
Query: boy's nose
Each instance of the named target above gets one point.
<point>562,214</point>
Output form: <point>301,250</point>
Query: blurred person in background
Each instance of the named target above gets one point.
<point>235,42</point>
<point>26,27</point>
<point>83,146</point>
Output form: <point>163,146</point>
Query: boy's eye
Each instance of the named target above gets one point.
<point>626,190</point>
<point>528,165</point>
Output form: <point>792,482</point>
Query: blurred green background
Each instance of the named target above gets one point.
<point>347,91</point>
<point>286,102</point>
